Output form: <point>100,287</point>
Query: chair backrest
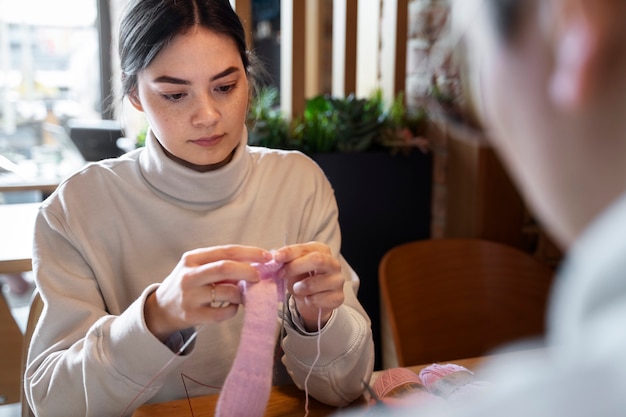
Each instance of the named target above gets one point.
<point>11,337</point>
<point>448,299</point>
<point>36,307</point>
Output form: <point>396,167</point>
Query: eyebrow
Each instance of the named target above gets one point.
<point>173,80</point>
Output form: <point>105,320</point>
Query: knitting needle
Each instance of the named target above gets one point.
<point>372,393</point>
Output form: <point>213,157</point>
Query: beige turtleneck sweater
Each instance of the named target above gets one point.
<point>114,230</point>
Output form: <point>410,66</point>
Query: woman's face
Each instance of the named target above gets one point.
<point>195,97</point>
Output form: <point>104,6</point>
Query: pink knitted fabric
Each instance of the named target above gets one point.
<point>247,387</point>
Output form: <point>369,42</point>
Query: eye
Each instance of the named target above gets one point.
<point>173,97</point>
<point>225,89</point>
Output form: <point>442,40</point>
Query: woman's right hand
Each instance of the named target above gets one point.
<point>202,278</point>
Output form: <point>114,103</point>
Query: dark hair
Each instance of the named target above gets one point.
<point>506,15</point>
<point>149,25</point>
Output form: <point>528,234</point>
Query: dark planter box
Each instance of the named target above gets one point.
<point>384,199</point>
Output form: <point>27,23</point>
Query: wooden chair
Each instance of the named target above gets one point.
<point>11,337</point>
<point>448,299</point>
<point>36,307</point>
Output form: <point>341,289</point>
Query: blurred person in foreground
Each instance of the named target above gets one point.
<point>550,78</point>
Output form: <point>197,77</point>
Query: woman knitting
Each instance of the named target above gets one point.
<point>138,256</point>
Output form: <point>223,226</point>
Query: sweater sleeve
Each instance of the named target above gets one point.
<point>346,356</point>
<point>82,359</point>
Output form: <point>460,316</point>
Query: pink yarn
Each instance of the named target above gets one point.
<point>401,386</point>
<point>247,387</point>
<point>268,270</point>
<point>452,382</point>
<point>432,373</point>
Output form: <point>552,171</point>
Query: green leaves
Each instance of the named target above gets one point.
<point>328,124</point>
<point>266,124</point>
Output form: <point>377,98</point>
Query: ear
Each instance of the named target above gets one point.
<point>582,38</point>
<point>134,100</point>
<point>574,49</point>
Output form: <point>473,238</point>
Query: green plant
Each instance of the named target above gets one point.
<point>334,124</point>
<point>339,124</point>
<point>404,128</point>
<point>140,140</point>
<point>266,124</point>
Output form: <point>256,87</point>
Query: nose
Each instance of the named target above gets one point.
<point>206,112</point>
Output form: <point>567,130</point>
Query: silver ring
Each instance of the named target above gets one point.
<point>220,304</point>
<point>214,303</point>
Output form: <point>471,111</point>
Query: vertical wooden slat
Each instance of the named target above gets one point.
<point>345,18</point>
<point>351,46</point>
<point>326,47</point>
<point>312,50</point>
<point>298,56</point>
<point>244,10</point>
<point>401,45</point>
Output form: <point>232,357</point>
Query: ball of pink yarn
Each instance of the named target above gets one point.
<point>433,373</point>
<point>453,382</point>
<point>390,379</point>
<point>400,386</point>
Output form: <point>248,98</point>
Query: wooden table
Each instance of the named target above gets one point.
<point>17,222</point>
<point>46,187</point>
<point>10,182</point>
<point>285,401</point>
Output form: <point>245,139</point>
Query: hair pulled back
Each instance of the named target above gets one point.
<point>149,25</point>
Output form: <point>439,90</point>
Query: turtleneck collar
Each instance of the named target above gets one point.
<point>176,182</point>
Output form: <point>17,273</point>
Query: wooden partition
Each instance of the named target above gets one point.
<point>367,43</point>
<point>368,47</point>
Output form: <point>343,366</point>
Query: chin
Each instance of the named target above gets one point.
<point>209,164</point>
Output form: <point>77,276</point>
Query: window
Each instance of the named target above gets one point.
<point>49,71</point>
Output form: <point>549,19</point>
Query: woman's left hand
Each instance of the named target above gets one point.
<point>314,280</point>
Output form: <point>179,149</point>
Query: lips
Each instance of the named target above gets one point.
<point>209,140</point>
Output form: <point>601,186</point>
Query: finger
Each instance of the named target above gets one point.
<point>209,314</point>
<point>314,263</point>
<point>224,271</point>
<point>316,284</point>
<point>214,302</point>
<point>327,300</point>
<point>290,253</point>
<point>215,295</point>
<point>239,253</point>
